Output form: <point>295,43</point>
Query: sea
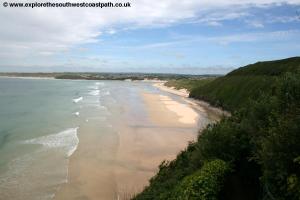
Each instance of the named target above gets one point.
<point>39,120</point>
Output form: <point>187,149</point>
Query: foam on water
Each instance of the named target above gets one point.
<point>94,92</point>
<point>66,140</point>
<point>31,176</point>
<point>99,83</point>
<point>94,87</point>
<point>76,100</point>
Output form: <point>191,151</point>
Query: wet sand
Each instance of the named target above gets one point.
<point>119,163</point>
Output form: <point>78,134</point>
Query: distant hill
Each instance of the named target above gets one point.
<point>105,75</point>
<point>270,68</point>
<point>249,82</point>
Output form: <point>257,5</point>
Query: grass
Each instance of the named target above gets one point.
<point>189,84</point>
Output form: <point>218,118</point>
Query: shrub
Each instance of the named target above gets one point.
<point>204,184</point>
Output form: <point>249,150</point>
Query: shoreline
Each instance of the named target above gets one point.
<point>121,160</point>
<point>181,92</point>
<point>196,102</point>
<point>29,77</point>
<point>119,163</point>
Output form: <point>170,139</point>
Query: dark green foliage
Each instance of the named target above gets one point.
<point>279,143</point>
<point>189,84</point>
<point>170,174</point>
<point>231,92</point>
<point>234,90</point>
<point>269,68</point>
<point>260,142</point>
<point>204,184</point>
<point>225,140</point>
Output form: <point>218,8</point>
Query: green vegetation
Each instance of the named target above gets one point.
<point>205,183</point>
<point>236,88</point>
<point>125,76</point>
<point>189,84</point>
<point>106,76</point>
<point>28,74</point>
<point>254,154</point>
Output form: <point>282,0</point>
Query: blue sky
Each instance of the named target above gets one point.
<point>191,37</point>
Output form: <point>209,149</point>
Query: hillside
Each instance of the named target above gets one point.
<point>236,88</point>
<point>254,154</point>
<point>188,83</point>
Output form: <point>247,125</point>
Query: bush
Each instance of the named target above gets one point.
<point>260,143</point>
<point>204,184</point>
<point>279,150</point>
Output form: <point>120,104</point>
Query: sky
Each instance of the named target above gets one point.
<point>164,36</point>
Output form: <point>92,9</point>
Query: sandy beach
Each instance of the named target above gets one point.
<point>197,104</point>
<point>184,113</point>
<point>120,164</point>
<point>181,92</point>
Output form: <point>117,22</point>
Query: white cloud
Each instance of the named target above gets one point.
<point>284,19</point>
<point>277,36</point>
<point>43,32</point>
<point>255,24</point>
<point>220,15</point>
<point>256,37</point>
<point>112,31</point>
<point>214,23</point>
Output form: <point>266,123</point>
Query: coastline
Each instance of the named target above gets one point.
<point>198,104</point>
<point>117,159</point>
<point>161,85</point>
<point>119,164</point>
<point>29,77</point>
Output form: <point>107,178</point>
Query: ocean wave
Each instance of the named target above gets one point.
<point>76,113</point>
<point>94,92</point>
<point>97,119</point>
<point>38,165</point>
<point>76,100</point>
<point>94,87</point>
<point>99,83</point>
<point>67,140</point>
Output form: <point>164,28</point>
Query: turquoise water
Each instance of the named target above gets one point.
<point>38,132</point>
<point>39,122</point>
<point>39,119</point>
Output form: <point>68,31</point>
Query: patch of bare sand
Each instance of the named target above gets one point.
<point>214,113</point>
<point>117,163</point>
<point>181,114</point>
<point>91,175</point>
<point>185,112</point>
<point>141,151</point>
<point>181,92</point>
